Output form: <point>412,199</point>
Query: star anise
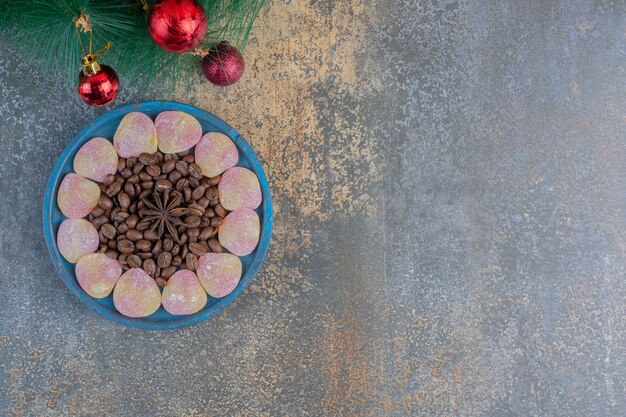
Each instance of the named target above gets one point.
<point>164,212</point>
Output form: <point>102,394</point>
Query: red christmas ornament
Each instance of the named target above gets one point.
<point>223,65</point>
<point>98,85</point>
<point>177,25</point>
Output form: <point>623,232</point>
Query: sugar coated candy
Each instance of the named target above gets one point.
<point>77,196</point>
<point>215,153</point>
<point>239,231</point>
<point>177,131</point>
<point>239,188</point>
<point>219,273</point>
<point>136,294</point>
<point>96,159</point>
<point>183,293</point>
<point>135,135</point>
<point>75,238</point>
<point>97,274</point>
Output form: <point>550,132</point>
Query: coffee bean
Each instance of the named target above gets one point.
<point>132,221</point>
<point>134,261</point>
<point>145,194</point>
<point>113,189</point>
<point>207,233</point>
<point>215,180</point>
<point>122,228</point>
<point>144,176</point>
<point>103,246</point>
<point>195,209</point>
<point>204,222</point>
<point>216,222</point>
<point>182,167</point>
<point>220,211</point>
<point>149,267</point>
<point>112,253</point>
<point>147,185</point>
<point>169,165</point>
<point>211,193</point>
<point>108,180</point>
<point>174,176</point>
<point>157,271</point>
<point>126,173</point>
<point>123,258</point>
<point>99,221</point>
<point>138,167</point>
<point>187,194</point>
<point>198,249</point>
<point>121,164</point>
<point>159,156</point>
<point>162,185</point>
<point>129,189</point>
<point>124,200</point>
<point>193,183</point>
<point>193,232</point>
<point>133,207</point>
<point>120,216</point>
<point>112,243</point>
<point>198,192</point>
<point>125,246</point>
<point>161,282</point>
<point>143,245</point>
<point>168,244</point>
<point>181,183</point>
<point>209,212</point>
<point>195,170</point>
<point>133,179</point>
<point>148,158</point>
<point>108,230</point>
<point>214,203</point>
<point>143,225</point>
<point>151,235</point>
<point>160,177</point>
<point>105,202</point>
<point>184,250</point>
<point>192,261</point>
<point>120,236</point>
<point>204,202</point>
<point>157,247</point>
<point>145,255</point>
<point>97,212</point>
<point>164,260</point>
<point>168,272</point>
<point>182,239</point>
<point>103,188</point>
<point>215,246</point>
<point>153,170</point>
<point>134,235</point>
<point>192,221</point>
<point>130,162</point>
<point>189,158</point>
<point>170,156</point>
<point>176,261</point>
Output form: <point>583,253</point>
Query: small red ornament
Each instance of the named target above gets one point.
<point>223,65</point>
<point>177,25</point>
<point>98,85</point>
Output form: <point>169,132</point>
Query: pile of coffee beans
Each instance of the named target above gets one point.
<point>127,236</point>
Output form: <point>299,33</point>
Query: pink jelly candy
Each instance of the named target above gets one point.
<point>183,293</point>
<point>97,274</point>
<point>77,196</point>
<point>239,232</point>
<point>136,294</point>
<point>219,273</point>
<point>215,153</point>
<point>135,135</point>
<point>239,188</point>
<point>75,238</point>
<point>96,159</point>
<point>177,131</point>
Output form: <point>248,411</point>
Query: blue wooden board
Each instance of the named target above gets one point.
<point>105,126</point>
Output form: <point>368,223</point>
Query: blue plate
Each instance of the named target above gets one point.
<point>105,126</point>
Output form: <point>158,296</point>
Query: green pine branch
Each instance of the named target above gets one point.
<point>45,32</point>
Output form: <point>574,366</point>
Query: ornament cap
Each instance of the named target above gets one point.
<point>90,64</point>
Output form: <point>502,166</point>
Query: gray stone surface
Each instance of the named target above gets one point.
<point>449,180</point>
